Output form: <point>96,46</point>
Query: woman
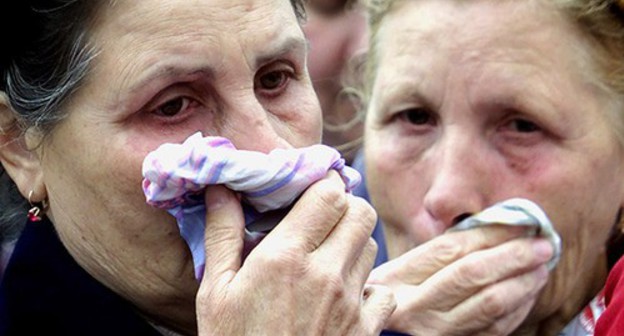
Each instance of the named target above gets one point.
<point>475,102</point>
<point>88,90</point>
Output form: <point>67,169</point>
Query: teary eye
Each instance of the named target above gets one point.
<point>272,80</point>
<point>172,107</point>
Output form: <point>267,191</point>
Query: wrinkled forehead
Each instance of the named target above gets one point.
<point>133,36</point>
<point>506,31</point>
<point>162,25</point>
<point>153,20</point>
<point>473,22</point>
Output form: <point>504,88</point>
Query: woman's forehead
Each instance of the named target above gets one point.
<point>206,14</point>
<point>213,27</point>
<point>506,31</point>
<point>212,36</point>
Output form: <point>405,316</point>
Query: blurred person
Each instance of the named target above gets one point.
<point>337,34</point>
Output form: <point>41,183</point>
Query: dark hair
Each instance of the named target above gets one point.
<point>43,64</point>
<point>47,56</point>
<point>14,209</point>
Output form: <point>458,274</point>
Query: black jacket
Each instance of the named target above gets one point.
<point>45,292</point>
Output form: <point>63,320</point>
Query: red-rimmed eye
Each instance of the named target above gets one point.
<point>173,107</point>
<point>273,79</point>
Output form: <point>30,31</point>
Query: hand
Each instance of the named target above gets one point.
<point>306,277</point>
<point>482,281</point>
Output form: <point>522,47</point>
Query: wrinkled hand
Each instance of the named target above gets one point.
<point>306,277</point>
<point>476,282</point>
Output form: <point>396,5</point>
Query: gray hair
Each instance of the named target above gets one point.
<point>47,64</point>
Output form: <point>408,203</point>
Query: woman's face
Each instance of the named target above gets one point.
<point>167,69</point>
<point>477,102</point>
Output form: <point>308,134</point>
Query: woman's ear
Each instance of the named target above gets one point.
<point>20,162</point>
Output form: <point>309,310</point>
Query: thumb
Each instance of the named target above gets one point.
<point>223,239</point>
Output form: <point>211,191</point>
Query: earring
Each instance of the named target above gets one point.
<point>35,210</point>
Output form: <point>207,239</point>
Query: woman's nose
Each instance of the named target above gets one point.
<point>254,129</point>
<point>461,181</point>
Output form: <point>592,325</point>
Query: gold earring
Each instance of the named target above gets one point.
<point>34,214</point>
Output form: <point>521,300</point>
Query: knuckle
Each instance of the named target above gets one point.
<point>371,247</point>
<point>521,254</point>
<point>473,273</point>
<point>446,250</point>
<point>277,260</point>
<point>493,305</point>
<point>363,209</point>
<point>363,214</point>
<point>367,256</point>
<point>329,196</point>
<point>333,283</point>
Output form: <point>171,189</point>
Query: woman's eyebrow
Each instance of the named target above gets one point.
<point>164,71</point>
<point>287,45</point>
<point>154,77</point>
<point>409,90</point>
<point>161,72</point>
<point>282,46</point>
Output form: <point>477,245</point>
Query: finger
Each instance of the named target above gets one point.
<point>344,245</point>
<point>432,256</point>
<point>224,234</point>
<point>480,269</point>
<point>364,264</point>
<point>378,304</point>
<point>504,304</point>
<point>313,216</point>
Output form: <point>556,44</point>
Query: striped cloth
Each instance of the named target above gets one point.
<point>175,176</point>
<point>517,212</point>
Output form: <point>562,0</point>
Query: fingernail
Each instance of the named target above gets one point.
<point>543,249</point>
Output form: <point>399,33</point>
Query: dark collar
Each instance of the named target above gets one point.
<point>44,291</point>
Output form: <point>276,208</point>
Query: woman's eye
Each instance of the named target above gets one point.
<point>417,116</point>
<point>524,126</point>
<point>273,80</point>
<point>173,107</point>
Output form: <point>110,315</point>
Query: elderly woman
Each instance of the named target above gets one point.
<point>88,90</point>
<point>474,102</point>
